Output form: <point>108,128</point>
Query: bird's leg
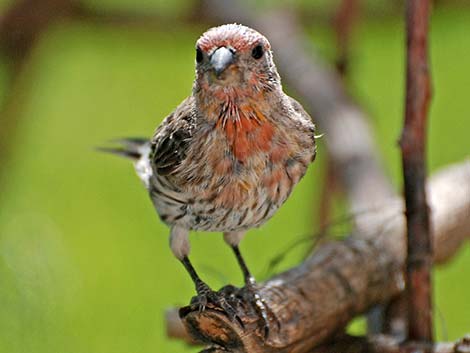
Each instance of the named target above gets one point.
<point>179,244</point>
<point>202,288</point>
<point>206,295</point>
<point>250,283</point>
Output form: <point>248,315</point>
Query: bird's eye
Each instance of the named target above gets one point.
<point>257,52</point>
<point>199,56</point>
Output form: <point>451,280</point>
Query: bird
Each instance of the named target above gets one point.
<point>229,155</point>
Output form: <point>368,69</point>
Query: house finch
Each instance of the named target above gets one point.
<point>230,154</point>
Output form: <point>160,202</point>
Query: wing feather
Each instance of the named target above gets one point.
<point>306,124</point>
<point>172,138</point>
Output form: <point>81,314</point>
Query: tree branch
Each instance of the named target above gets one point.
<point>316,299</point>
<point>343,23</point>
<point>413,145</point>
<point>388,344</point>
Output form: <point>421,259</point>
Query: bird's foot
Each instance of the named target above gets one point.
<point>220,299</point>
<point>251,294</point>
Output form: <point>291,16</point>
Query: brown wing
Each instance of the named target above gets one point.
<point>171,140</point>
<point>305,124</point>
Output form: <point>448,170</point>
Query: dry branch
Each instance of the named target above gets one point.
<point>413,146</point>
<point>388,344</point>
<point>315,300</point>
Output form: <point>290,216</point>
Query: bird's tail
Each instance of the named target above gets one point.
<point>137,149</point>
<point>129,147</point>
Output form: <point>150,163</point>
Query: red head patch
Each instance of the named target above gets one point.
<point>238,37</point>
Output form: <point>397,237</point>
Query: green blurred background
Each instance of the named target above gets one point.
<point>84,261</point>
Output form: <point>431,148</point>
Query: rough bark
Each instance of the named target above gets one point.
<point>388,344</point>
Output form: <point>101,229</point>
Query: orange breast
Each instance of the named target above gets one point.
<point>248,134</point>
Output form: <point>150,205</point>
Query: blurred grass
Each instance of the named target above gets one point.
<point>84,261</point>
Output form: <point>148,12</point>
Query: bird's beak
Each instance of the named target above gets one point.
<point>221,59</point>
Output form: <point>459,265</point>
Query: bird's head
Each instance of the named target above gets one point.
<point>234,59</point>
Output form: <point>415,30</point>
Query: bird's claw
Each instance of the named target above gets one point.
<point>228,299</point>
<point>251,294</point>
<point>206,295</point>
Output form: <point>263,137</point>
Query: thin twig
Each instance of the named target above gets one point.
<point>413,145</point>
<point>328,190</point>
<point>344,20</point>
